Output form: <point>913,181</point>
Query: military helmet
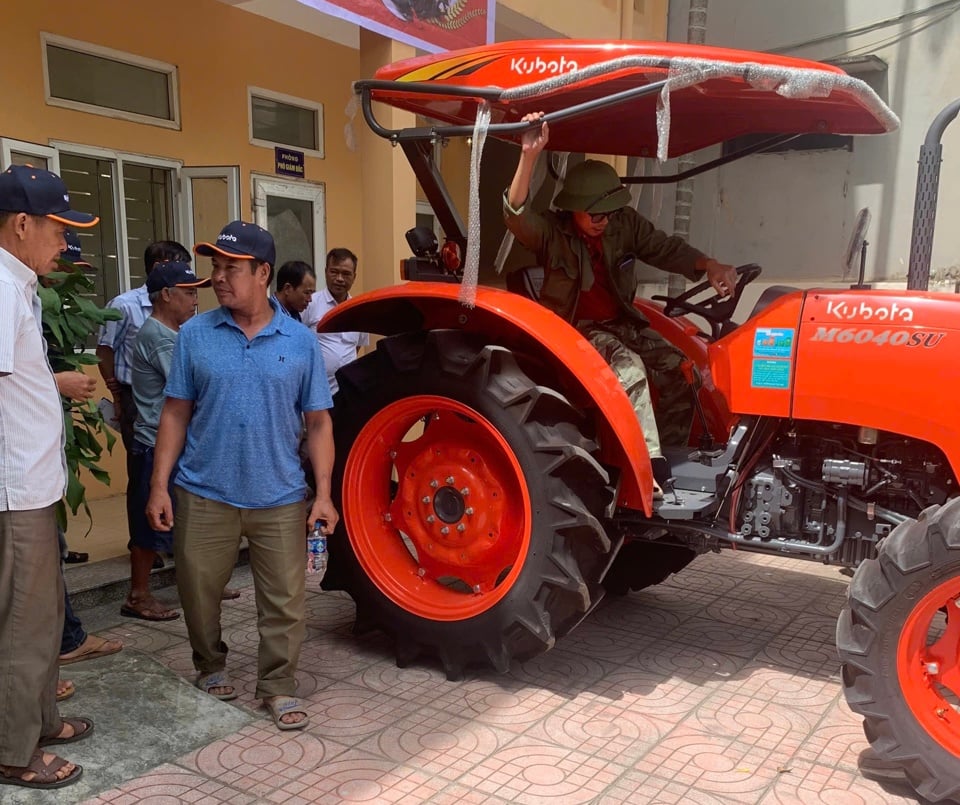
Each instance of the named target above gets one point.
<point>592,186</point>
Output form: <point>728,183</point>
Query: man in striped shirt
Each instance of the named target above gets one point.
<point>34,212</point>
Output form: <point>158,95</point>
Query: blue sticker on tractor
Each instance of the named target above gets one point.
<point>773,342</point>
<point>770,374</point>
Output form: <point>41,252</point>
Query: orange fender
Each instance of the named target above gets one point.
<point>528,328</point>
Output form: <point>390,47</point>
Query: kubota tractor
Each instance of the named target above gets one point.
<point>492,476</point>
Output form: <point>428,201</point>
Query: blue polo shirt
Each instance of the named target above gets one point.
<point>249,395</point>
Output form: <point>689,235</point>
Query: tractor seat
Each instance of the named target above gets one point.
<point>769,296</point>
<point>526,281</point>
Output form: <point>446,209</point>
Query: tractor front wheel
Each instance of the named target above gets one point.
<point>472,504</point>
<point>899,641</point>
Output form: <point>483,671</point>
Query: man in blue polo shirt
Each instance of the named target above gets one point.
<point>244,379</point>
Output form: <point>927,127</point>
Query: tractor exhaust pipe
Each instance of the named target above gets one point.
<point>925,202</point>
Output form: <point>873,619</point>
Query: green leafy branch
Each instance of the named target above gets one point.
<point>69,319</point>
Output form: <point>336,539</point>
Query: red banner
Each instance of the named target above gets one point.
<point>431,25</point>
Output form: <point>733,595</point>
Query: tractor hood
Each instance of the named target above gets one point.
<point>710,94</point>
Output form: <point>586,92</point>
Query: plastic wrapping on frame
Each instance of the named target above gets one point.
<point>682,72</point>
<point>471,263</point>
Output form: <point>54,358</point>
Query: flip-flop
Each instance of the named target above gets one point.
<point>46,773</point>
<point>279,706</point>
<point>217,679</point>
<point>68,690</point>
<point>229,594</point>
<point>149,614</point>
<point>82,728</point>
<point>90,649</point>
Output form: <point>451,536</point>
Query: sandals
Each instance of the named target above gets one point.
<point>82,728</point>
<point>90,649</point>
<point>279,706</point>
<point>151,610</point>
<point>217,679</point>
<point>45,774</point>
<point>65,689</point>
<point>76,557</point>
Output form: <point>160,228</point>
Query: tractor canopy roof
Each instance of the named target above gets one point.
<point>633,98</point>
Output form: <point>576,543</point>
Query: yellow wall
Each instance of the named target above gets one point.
<point>218,51</point>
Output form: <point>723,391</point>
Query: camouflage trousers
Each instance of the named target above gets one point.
<point>641,357</point>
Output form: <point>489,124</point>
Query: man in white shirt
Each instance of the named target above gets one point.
<point>338,348</point>
<point>34,213</point>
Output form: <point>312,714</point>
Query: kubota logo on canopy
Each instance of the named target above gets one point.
<point>850,312</point>
<point>524,66</point>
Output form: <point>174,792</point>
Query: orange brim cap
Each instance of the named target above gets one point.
<point>209,250</point>
<point>81,220</point>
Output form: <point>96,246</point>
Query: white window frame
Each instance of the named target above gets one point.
<point>263,185</point>
<point>291,100</point>
<point>119,56</point>
<point>119,207</point>
<point>47,152</point>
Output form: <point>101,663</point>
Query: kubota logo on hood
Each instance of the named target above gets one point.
<point>845,311</point>
<point>524,66</point>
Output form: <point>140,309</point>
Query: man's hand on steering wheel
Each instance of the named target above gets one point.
<point>722,277</point>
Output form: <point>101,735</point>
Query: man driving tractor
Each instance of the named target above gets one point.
<point>581,248</point>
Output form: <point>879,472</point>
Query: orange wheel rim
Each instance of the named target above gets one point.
<point>436,508</point>
<point>928,663</point>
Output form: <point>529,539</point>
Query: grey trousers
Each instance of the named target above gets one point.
<point>31,625</point>
<point>205,544</point>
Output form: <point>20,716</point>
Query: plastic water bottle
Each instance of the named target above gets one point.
<point>317,551</point>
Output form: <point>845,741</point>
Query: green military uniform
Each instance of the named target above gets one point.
<point>635,352</point>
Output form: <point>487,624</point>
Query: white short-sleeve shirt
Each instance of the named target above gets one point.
<point>32,465</point>
<point>338,348</point>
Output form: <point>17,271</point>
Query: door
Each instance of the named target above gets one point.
<point>210,199</point>
<point>295,214</point>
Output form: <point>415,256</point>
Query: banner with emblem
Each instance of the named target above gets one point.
<point>431,25</point>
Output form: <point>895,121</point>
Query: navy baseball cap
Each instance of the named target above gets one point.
<point>174,275</point>
<point>73,254</point>
<point>243,240</point>
<point>35,191</point>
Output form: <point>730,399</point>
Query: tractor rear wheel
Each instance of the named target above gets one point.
<point>471,503</point>
<point>899,641</point>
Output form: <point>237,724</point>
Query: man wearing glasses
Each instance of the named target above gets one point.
<point>580,247</point>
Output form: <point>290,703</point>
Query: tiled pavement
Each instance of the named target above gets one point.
<point>719,686</point>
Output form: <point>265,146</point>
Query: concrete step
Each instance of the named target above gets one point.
<point>93,584</point>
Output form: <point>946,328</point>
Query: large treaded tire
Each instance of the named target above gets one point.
<point>562,548</point>
<point>892,668</point>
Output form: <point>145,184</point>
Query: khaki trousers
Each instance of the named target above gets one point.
<point>205,544</point>
<point>639,357</point>
<point>31,625</point>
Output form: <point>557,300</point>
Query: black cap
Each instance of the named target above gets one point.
<point>174,275</point>
<point>73,254</point>
<point>243,240</point>
<point>35,191</point>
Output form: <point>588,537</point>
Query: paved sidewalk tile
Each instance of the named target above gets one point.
<point>719,687</point>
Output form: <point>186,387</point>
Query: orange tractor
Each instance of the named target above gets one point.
<point>493,478</point>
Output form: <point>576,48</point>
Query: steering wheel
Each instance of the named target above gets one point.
<point>715,310</point>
